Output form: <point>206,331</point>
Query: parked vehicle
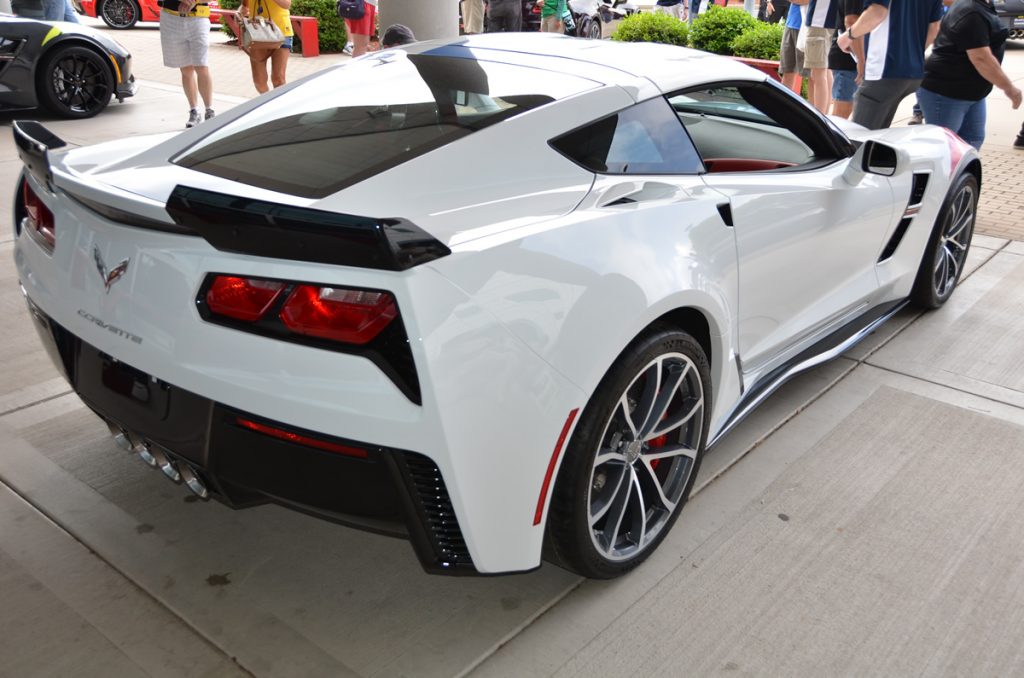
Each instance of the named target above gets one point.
<point>123,14</point>
<point>598,19</point>
<point>1012,13</point>
<point>69,69</point>
<point>492,295</point>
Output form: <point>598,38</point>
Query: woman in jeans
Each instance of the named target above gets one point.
<point>964,65</point>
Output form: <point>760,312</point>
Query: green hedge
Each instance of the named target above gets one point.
<point>646,27</point>
<point>330,27</point>
<point>763,41</point>
<point>715,30</point>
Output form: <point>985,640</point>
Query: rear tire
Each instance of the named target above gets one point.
<point>946,253</point>
<point>632,460</point>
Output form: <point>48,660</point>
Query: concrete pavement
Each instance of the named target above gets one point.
<point>865,520</point>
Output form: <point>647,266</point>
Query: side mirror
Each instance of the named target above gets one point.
<point>879,159</point>
<point>874,157</point>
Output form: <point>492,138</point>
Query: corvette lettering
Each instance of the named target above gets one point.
<point>110,328</point>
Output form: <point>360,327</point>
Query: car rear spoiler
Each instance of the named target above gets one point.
<point>267,229</point>
<point>34,143</point>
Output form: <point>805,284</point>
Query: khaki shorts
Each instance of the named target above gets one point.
<point>819,40</point>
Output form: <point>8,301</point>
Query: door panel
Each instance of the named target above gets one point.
<point>807,243</point>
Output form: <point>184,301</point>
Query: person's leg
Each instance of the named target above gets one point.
<point>1018,143</point>
<point>53,10</point>
<point>816,59</point>
<point>279,65</point>
<point>190,85</point>
<point>205,85</point>
<point>360,44</point>
<point>258,66</point>
<point>70,15</point>
<point>844,84</point>
<point>972,127</point>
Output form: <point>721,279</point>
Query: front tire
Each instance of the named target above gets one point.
<point>75,82</point>
<point>946,253</point>
<point>633,458</point>
<point>120,14</point>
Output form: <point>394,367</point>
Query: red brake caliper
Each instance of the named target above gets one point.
<point>655,444</point>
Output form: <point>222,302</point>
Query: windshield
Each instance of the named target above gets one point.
<point>356,121</point>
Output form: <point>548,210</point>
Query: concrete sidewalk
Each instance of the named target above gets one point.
<point>865,520</point>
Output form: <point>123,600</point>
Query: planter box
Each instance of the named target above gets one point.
<point>763,65</point>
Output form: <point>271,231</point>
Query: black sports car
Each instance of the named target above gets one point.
<point>69,69</point>
<point>1012,14</point>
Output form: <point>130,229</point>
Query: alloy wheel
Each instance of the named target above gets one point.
<point>954,241</point>
<point>647,454</point>
<point>79,84</point>
<point>120,13</point>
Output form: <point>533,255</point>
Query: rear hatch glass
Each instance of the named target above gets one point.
<point>350,123</point>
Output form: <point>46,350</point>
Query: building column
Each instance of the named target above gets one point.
<point>428,19</point>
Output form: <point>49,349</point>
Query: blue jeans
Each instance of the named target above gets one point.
<point>966,118</point>
<point>59,10</point>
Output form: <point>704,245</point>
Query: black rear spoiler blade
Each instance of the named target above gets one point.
<point>268,229</point>
<point>34,142</point>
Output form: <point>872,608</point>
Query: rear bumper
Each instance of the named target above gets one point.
<point>390,491</point>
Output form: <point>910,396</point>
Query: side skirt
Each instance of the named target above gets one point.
<point>826,349</point>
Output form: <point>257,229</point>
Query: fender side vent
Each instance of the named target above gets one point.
<point>917,189</point>
<point>897,237</point>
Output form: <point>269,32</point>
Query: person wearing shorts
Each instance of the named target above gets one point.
<point>276,11</point>
<point>791,60</point>
<point>472,16</point>
<point>844,65</point>
<point>820,20</point>
<point>360,30</point>
<point>184,41</point>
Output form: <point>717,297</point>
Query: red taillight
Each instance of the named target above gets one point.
<point>40,219</point>
<point>346,315</point>
<point>299,439</point>
<point>245,299</point>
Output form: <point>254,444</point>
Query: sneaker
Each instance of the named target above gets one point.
<point>193,119</point>
<point>916,119</point>
<point>347,49</point>
<point>209,113</point>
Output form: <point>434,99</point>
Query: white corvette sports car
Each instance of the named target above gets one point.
<point>497,294</point>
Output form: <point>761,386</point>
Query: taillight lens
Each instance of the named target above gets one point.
<point>245,299</point>
<point>39,218</point>
<point>340,314</point>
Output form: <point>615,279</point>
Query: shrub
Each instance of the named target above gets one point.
<point>715,30</point>
<point>646,27</point>
<point>330,27</point>
<point>763,41</point>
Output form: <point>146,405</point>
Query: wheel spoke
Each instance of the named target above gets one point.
<point>617,511</point>
<point>640,515</point>
<point>595,516</point>
<point>648,400</point>
<point>673,377</point>
<point>670,452</point>
<point>627,418</point>
<point>666,503</point>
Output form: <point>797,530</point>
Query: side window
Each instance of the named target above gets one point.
<point>643,139</point>
<point>750,127</point>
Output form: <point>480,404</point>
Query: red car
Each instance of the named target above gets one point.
<point>126,13</point>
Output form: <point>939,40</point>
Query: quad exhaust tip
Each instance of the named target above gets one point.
<point>176,471</point>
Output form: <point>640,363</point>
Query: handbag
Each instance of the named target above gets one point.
<point>351,9</point>
<point>259,33</point>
